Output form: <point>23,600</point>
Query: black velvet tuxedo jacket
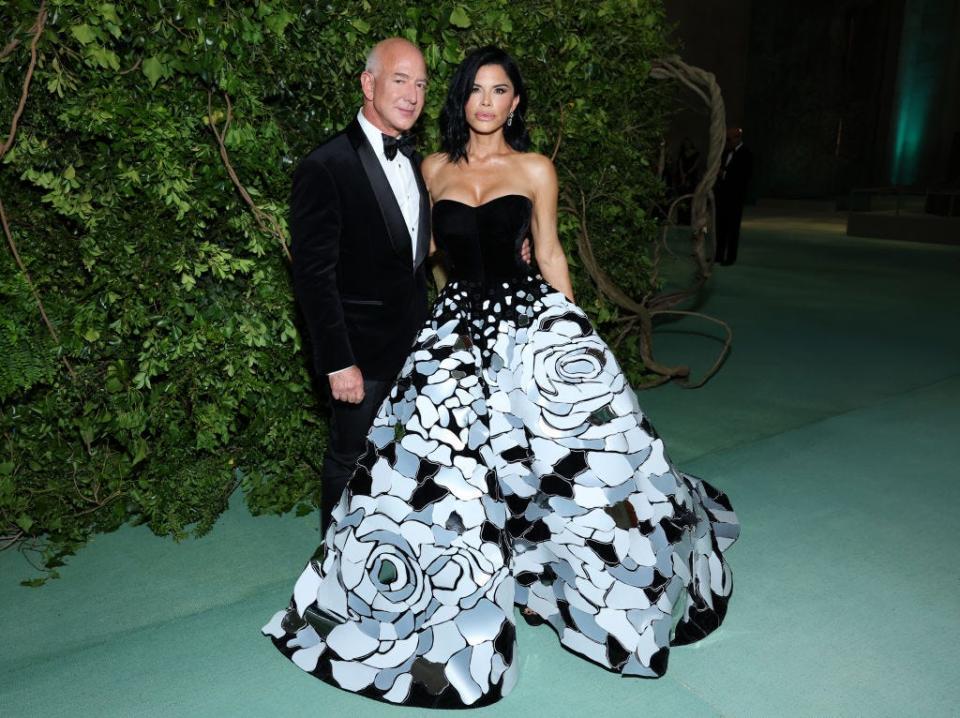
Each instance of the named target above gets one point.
<point>362,291</point>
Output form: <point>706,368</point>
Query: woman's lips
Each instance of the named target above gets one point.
<point>484,117</point>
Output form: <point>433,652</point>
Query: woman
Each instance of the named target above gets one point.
<point>510,463</point>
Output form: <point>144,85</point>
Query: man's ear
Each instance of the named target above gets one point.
<point>368,84</point>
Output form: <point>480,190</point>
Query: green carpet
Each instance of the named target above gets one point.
<point>832,427</point>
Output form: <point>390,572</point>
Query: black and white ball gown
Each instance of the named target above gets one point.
<point>510,464</point>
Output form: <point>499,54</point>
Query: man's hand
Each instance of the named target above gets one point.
<point>347,385</point>
<point>525,251</point>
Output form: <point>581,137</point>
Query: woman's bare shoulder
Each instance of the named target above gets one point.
<point>432,164</point>
<point>539,173</point>
<point>538,167</point>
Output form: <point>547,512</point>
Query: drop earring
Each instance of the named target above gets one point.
<point>510,118</point>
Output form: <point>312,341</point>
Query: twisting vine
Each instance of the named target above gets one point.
<point>702,206</point>
<point>36,30</point>
<point>640,314</point>
<point>267,223</point>
<point>10,46</point>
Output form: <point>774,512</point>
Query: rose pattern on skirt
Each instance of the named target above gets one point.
<point>511,464</point>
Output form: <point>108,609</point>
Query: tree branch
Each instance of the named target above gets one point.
<point>132,67</point>
<point>655,382</point>
<point>266,222</point>
<point>33,288</point>
<point>37,30</point>
<point>642,313</point>
<point>610,289</point>
<point>101,504</point>
<point>724,351</point>
<point>556,146</point>
<point>702,219</point>
<point>8,541</point>
<point>8,48</point>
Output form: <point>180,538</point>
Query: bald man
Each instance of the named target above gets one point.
<point>360,228</point>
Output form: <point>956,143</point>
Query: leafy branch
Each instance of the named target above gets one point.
<point>36,30</point>
<point>267,223</point>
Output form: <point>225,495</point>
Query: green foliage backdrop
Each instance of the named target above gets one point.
<point>170,295</point>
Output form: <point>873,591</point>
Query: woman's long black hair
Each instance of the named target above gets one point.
<point>454,130</point>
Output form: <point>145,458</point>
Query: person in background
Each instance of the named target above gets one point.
<point>730,193</point>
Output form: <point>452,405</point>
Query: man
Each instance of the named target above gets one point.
<point>731,193</point>
<point>360,229</point>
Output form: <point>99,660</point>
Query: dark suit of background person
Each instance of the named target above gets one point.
<point>730,193</point>
<point>359,278</point>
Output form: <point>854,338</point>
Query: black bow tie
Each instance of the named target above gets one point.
<point>404,143</point>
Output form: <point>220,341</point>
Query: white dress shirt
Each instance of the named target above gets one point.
<point>403,182</point>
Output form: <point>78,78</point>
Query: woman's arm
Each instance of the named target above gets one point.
<point>546,243</point>
<point>429,168</point>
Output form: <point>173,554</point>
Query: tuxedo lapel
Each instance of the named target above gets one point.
<point>399,236</point>
<point>423,226</point>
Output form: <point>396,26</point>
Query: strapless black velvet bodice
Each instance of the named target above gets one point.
<point>482,244</point>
